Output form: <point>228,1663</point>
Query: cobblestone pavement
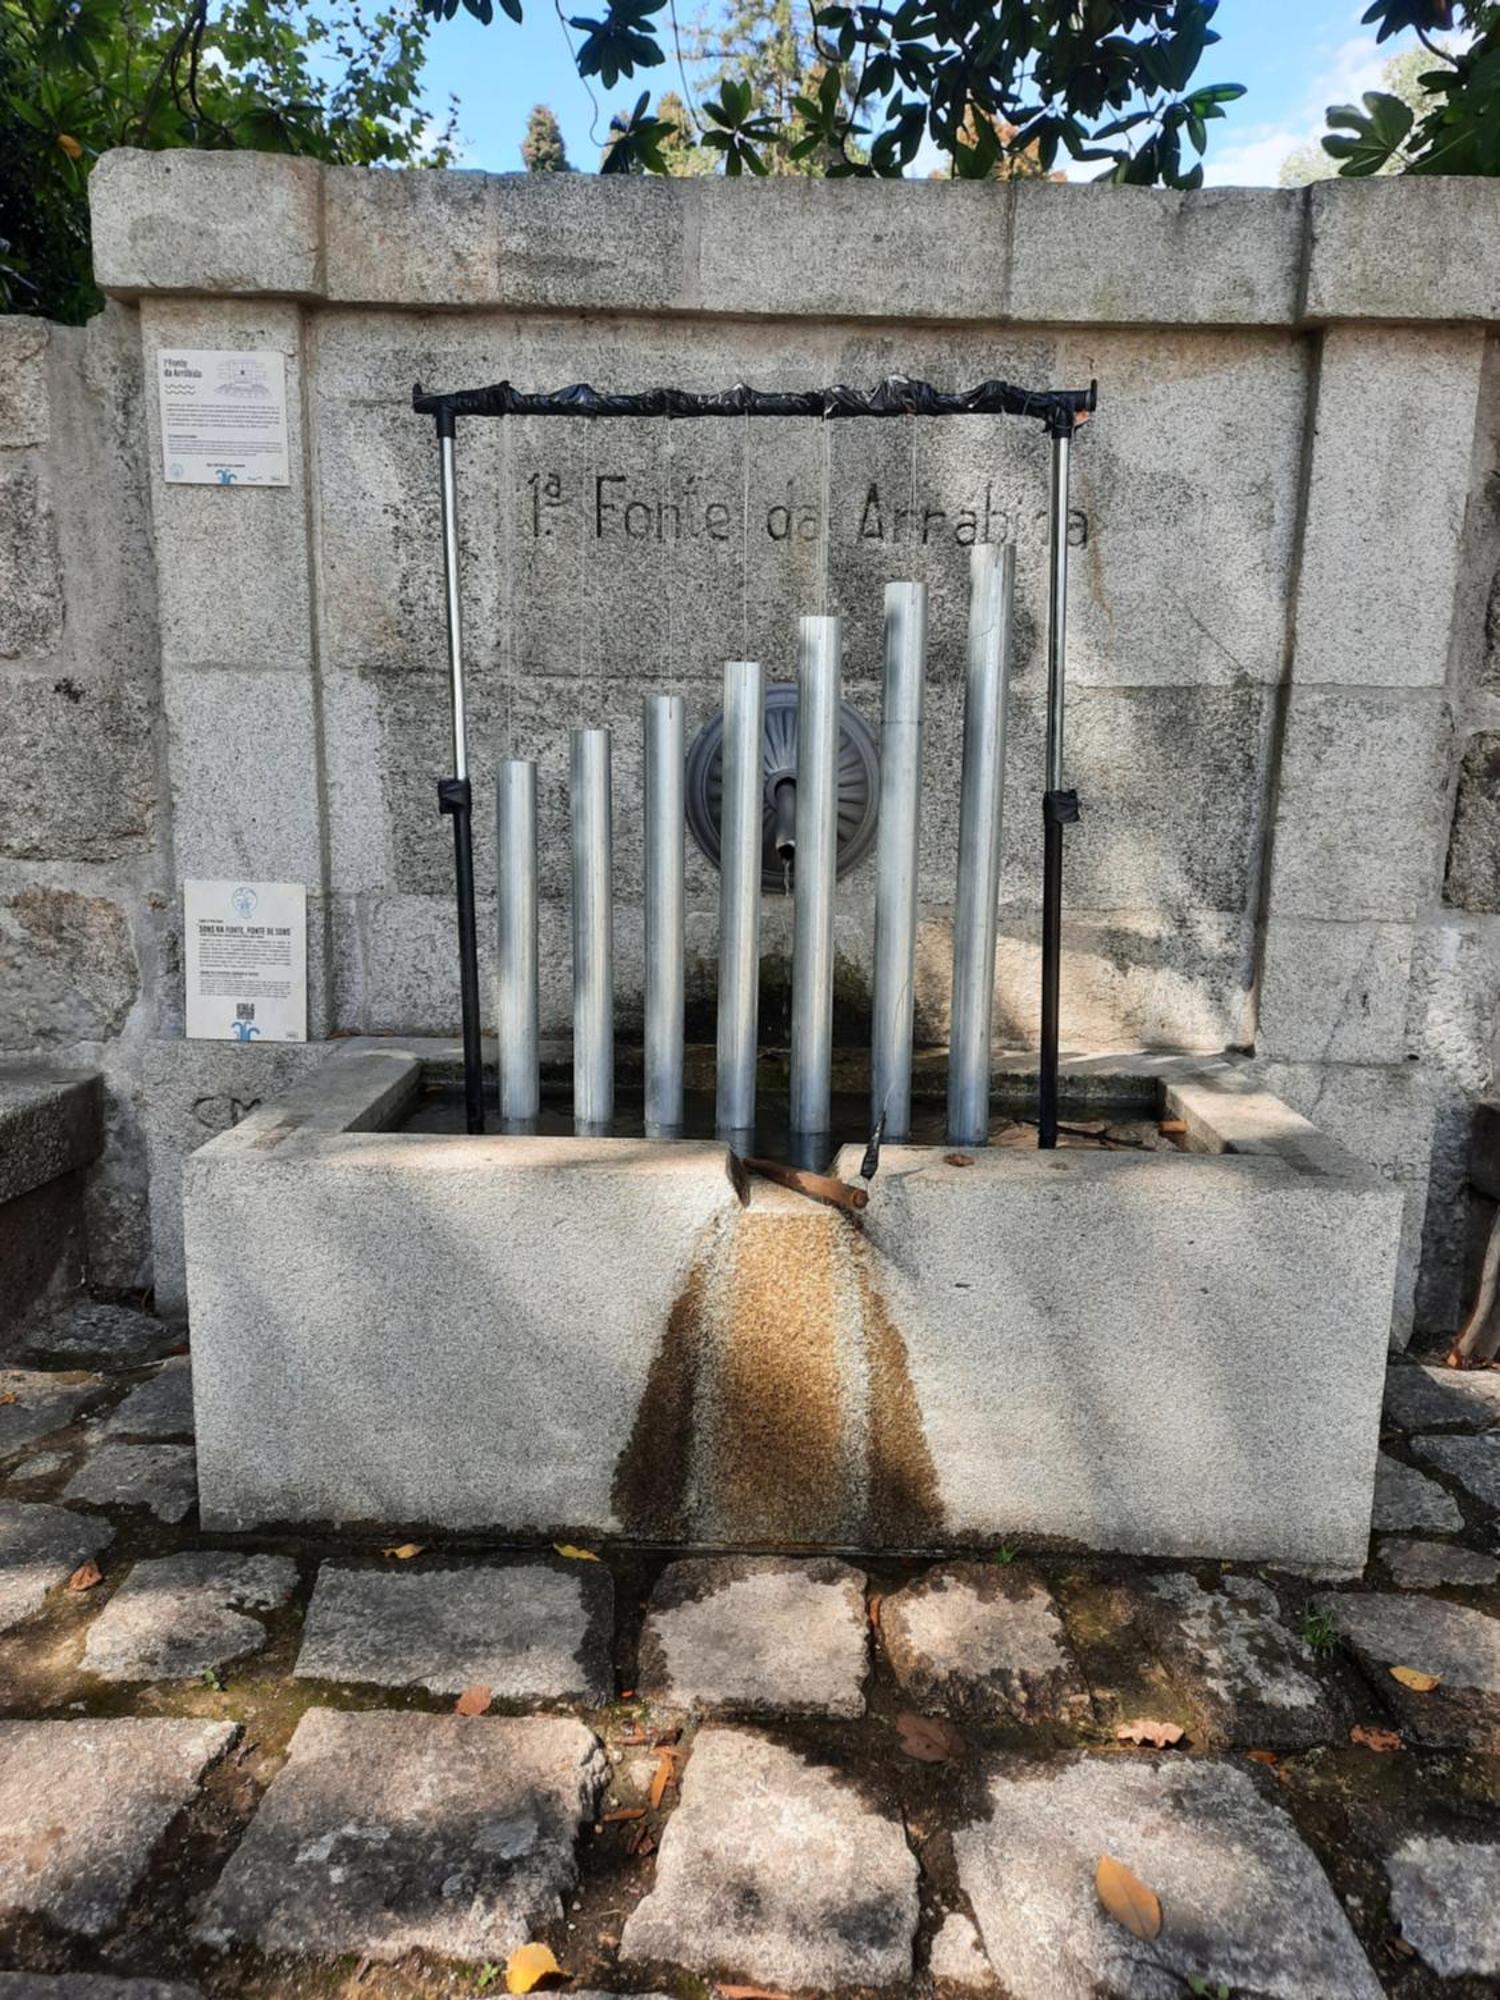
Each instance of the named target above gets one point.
<point>243,1766</point>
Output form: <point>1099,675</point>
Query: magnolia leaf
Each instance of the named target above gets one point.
<point>1160,1735</point>
<point>527,1968</point>
<point>85,1576</point>
<point>666,1770</point>
<point>473,1701</point>
<point>1127,1899</point>
<point>929,1739</point>
<point>1415,1679</point>
<point>1375,1739</point>
<point>575,1555</point>
<point>404,1551</point>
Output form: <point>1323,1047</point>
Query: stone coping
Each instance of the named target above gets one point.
<point>1026,252</point>
<point>50,1124</point>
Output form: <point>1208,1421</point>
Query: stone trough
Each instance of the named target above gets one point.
<point>1171,1353</point>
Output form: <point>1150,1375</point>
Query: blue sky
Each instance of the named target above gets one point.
<point>1294,56</point>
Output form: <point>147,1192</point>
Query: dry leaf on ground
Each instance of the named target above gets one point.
<point>1415,1679</point>
<point>875,1603</point>
<point>1375,1739</point>
<point>1263,1757</point>
<point>1160,1735</point>
<point>666,1771</point>
<point>1126,1898</point>
<point>929,1739</point>
<point>527,1968</point>
<point>473,1701</point>
<point>1171,1126</point>
<point>575,1555</point>
<point>404,1551</point>
<point>958,1159</point>
<point>10,1396</point>
<point>85,1576</point>
<point>620,1813</point>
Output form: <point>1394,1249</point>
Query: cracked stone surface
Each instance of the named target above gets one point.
<point>986,1638</point>
<point>178,1615</point>
<point>526,1631</point>
<point>90,1986</point>
<point>1253,1677</point>
<point>88,1330</point>
<point>1473,1461</point>
<point>83,1804</point>
<point>757,1635</point>
<point>41,1465</point>
<point>1417,1565</point>
<point>41,1546</point>
<point>1243,1900</point>
<point>42,1402</point>
<point>1445,1895</point>
<point>1406,1498</point>
<point>958,1956</point>
<point>1460,1645</point>
<point>393,1832</point>
<point>162,1407</point>
<point>776,1870</point>
<point>159,1477</point>
<point>1422,1398</point>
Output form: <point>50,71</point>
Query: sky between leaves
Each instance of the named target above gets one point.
<point>1294,57</point>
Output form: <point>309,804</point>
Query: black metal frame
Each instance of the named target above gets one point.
<point>1060,411</point>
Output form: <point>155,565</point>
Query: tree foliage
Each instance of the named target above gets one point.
<point>336,82</point>
<point>543,150</point>
<point>1454,126</point>
<point>1092,80</point>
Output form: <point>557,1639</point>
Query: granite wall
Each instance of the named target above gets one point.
<point>1284,711</point>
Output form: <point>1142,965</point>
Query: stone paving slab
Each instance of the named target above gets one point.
<point>1422,1398</point>
<point>1407,1498</point>
<point>1252,1677</point>
<point>40,1547</point>
<point>1473,1461</point>
<point>1243,1900</point>
<point>34,1401</point>
<point>1460,1645</point>
<point>89,1330</point>
<point>987,1639</point>
<point>1418,1565</point>
<point>958,1956</point>
<point>83,1804</point>
<point>777,1871</point>
<point>159,1408</point>
<point>90,1986</point>
<point>757,1635</point>
<point>174,1617</point>
<point>1445,1895</point>
<point>392,1832</point>
<point>40,1465</point>
<point>162,1478</point>
<point>526,1631</point>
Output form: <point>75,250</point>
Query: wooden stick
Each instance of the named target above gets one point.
<point>819,1187</point>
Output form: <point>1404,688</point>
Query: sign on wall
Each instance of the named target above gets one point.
<point>246,961</point>
<point>223,417</point>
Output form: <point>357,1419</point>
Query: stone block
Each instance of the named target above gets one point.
<point>577,241</point>
<point>49,1125</point>
<point>43,1254</point>
<point>78,776</point>
<point>236,222</point>
<point>68,970</point>
<point>92,1333</point>
<point>986,1640</point>
<point>40,1547</point>
<point>1445,1896</point>
<point>1453,1013</point>
<point>38,1401</point>
<point>31,581</point>
<point>161,1406</point>
<point>958,1957</point>
<point>1246,1672</point>
<point>1473,875</point>
<point>389,1833</point>
<point>1407,1498</point>
<point>1359,816</point>
<point>1332,992</point>
<point>1150,256</point>
<point>238,815</point>
<point>1427,1399</point>
<point>84,1804</point>
<point>356,780</point>
<point>180,1616</point>
<point>1458,1645</point>
<point>1394,248</point>
<point>1376,610</point>
<point>414,238</point>
<point>25,405</point>
<point>1416,1565</point>
<point>156,1477</point>
<point>1473,1461</point>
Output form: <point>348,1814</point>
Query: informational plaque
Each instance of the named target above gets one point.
<point>223,417</point>
<point>246,961</point>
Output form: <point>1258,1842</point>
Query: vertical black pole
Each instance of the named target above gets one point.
<point>454,795</point>
<point>1059,807</point>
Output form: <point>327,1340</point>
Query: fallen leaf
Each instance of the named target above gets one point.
<point>623,1812</point>
<point>70,145</point>
<point>473,1701</point>
<point>1401,1946</point>
<point>404,1551</point>
<point>1415,1679</point>
<point>666,1771</point>
<point>958,1159</point>
<point>1263,1757</point>
<point>527,1968</point>
<point>1375,1739</point>
<point>1127,1899</point>
<point>10,1396</point>
<point>575,1555</point>
<point>1171,1127</point>
<point>748,1993</point>
<point>929,1739</point>
<point>85,1576</point>
<point>1160,1735</point>
<point>875,1603</point>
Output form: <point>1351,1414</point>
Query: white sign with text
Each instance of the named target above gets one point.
<point>246,948</point>
<point>223,417</point>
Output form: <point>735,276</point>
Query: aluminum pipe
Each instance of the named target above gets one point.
<point>593,936</point>
<point>896,858</point>
<point>992,583</point>
<point>740,827</point>
<point>819,654</point>
<point>516,1010</point>
<point>664,718</point>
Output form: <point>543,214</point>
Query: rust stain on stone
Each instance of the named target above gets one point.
<point>650,1487</point>
<point>904,1508</point>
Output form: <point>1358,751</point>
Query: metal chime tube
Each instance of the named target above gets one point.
<point>454,794</point>
<point>820,651</point>
<point>593,936</point>
<point>992,579</point>
<point>896,858</point>
<point>665,720</point>
<point>516,1009</point>
<point>1059,807</point>
<point>740,827</point>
